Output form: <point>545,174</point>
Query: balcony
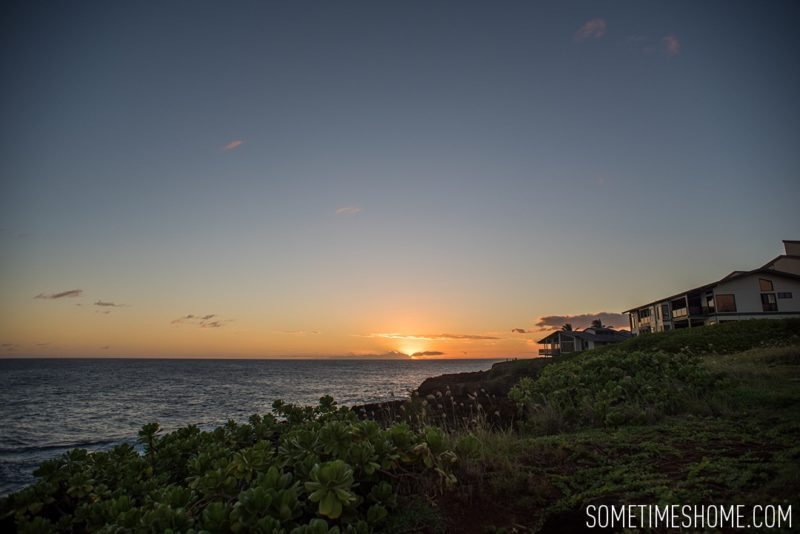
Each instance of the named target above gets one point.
<point>549,352</point>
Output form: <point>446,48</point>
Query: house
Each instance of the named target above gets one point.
<point>771,291</point>
<point>566,341</point>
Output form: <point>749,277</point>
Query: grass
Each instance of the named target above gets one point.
<point>734,442</point>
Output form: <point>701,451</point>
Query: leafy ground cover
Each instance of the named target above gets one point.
<point>701,416</point>
<point>302,470</point>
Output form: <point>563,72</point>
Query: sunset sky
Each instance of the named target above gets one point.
<point>265,179</point>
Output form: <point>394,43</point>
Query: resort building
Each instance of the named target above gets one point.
<point>771,291</point>
<point>566,341</point>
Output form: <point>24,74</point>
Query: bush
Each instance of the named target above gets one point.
<point>608,389</point>
<point>299,470</point>
<point>725,338</point>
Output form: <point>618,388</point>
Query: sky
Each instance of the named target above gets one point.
<point>438,179</point>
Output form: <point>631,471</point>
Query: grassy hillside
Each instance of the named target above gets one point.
<point>710,415</point>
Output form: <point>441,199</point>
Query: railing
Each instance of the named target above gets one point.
<point>549,352</point>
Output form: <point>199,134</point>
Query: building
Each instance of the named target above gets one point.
<point>567,341</point>
<point>771,291</point>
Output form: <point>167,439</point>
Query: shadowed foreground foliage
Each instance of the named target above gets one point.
<point>302,470</point>
<point>702,416</point>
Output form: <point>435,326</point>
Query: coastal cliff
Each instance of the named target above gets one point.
<point>460,397</point>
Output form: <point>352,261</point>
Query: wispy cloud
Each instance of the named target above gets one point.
<point>391,355</point>
<point>64,294</point>
<point>105,347</point>
<point>430,337</point>
<point>203,321</point>
<point>299,332</point>
<point>233,145</point>
<point>9,347</point>
<point>671,45</point>
<point>593,29</point>
<point>427,353</point>
<point>582,320</point>
<point>109,304</point>
<point>349,210</point>
<point>518,330</point>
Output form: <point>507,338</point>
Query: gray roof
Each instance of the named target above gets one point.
<point>609,335</point>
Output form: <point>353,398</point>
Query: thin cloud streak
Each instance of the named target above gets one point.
<point>299,332</point>
<point>593,29</point>
<point>233,145</point>
<point>109,304</point>
<point>427,353</point>
<point>349,210</point>
<point>203,321</point>
<point>430,337</point>
<point>72,293</point>
<point>552,322</point>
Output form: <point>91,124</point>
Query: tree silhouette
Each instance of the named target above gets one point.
<point>597,323</point>
<point>567,327</point>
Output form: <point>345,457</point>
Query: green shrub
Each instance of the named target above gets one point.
<point>724,338</point>
<point>609,389</point>
<point>298,470</point>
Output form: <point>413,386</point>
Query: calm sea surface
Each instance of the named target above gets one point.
<point>50,406</point>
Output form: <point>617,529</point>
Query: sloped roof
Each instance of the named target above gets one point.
<point>735,275</point>
<point>613,335</point>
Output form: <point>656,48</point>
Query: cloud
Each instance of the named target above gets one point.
<point>552,322</point>
<point>109,304</point>
<point>350,210</point>
<point>299,332</point>
<point>70,293</point>
<point>518,330</point>
<point>431,337</point>
<point>203,321</point>
<point>391,355</point>
<point>9,347</point>
<point>427,353</point>
<point>233,145</point>
<point>671,45</point>
<point>105,347</point>
<point>593,29</point>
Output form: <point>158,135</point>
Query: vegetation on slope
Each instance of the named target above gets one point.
<point>302,470</point>
<point>700,416</point>
<point>684,417</point>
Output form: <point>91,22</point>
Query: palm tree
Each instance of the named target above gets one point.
<point>567,327</point>
<point>597,323</point>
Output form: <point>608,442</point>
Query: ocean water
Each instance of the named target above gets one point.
<point>50,406</point>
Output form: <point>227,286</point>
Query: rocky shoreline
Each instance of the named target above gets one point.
<point>460,399</point>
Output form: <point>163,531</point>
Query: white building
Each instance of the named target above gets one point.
<point>769,292</point>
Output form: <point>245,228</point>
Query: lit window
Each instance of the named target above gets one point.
<point>768,302</point>
<point>726,303</point>
<point>764,284</point>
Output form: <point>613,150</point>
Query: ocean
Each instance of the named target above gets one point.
<point>48,406</point>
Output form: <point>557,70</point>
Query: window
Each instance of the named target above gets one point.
<point>769,302</point>
<point>643,313</point>
<point>665,312</point>
<point>765,285</point>
<point>787,295</point>
<point>726,303</point>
